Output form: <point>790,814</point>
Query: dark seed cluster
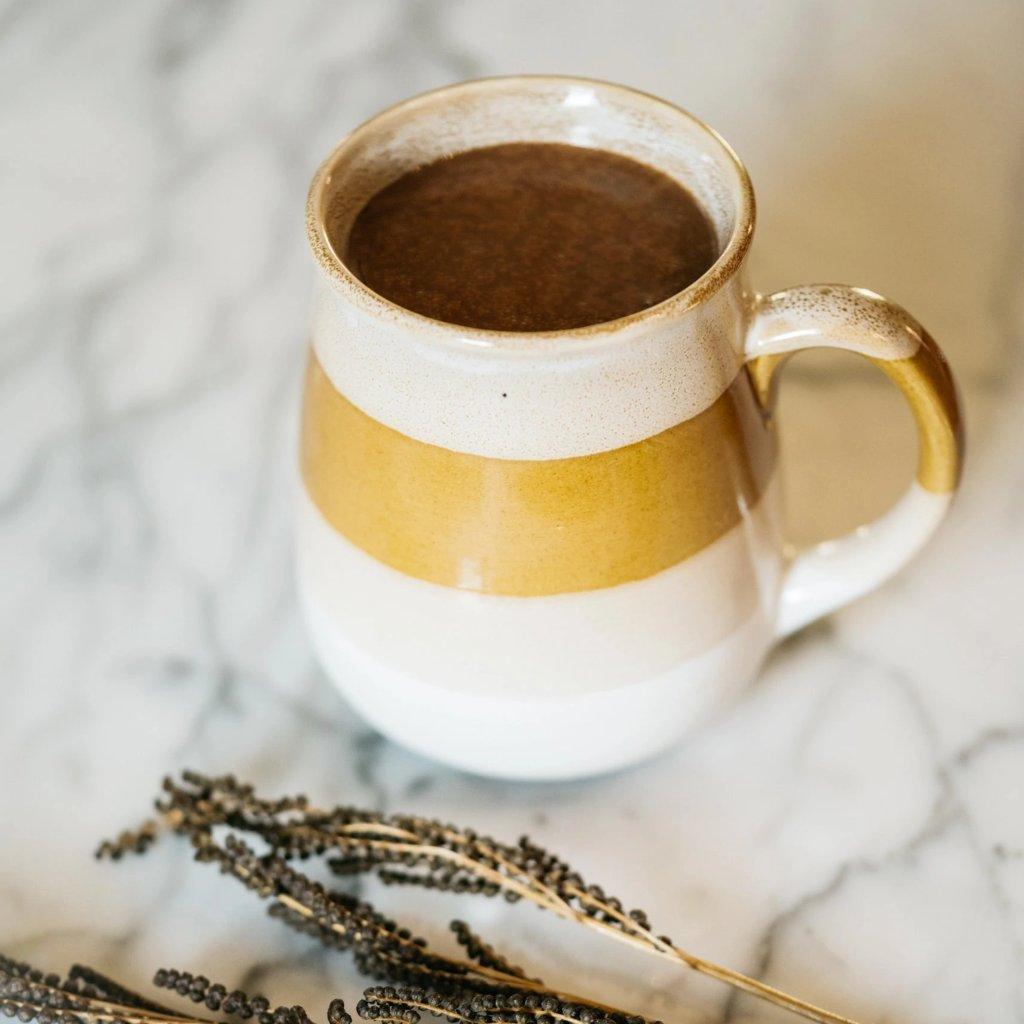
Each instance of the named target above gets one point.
<point>260,842</point>
<point>87,981</point>
<point>481,953</point>
<point>87,997</point>
<point>400,849</point>
<point>136,841</point>
<point>263,842</point>
<point>405,1005</point>
<point>380,947</point>
<point>218,999</point>
<point>28,994</point>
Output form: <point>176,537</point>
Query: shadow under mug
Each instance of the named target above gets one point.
<point>551,554</point>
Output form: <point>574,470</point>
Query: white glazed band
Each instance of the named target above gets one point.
<point>528,402</point>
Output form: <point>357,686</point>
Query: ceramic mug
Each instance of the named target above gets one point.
<point>550,554</point>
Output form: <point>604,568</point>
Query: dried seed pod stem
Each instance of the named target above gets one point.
<point>87,997</point>
<point>382,949</point>
<point>403,1005</point>
<point>410,850</point>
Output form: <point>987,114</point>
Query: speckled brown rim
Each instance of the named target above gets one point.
<point>609,330</point>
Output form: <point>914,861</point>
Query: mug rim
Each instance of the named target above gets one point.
<point>722,270</point>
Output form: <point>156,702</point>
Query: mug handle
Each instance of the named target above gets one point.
<point>830,574</point>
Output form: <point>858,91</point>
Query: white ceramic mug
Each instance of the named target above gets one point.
<point>551,554</point>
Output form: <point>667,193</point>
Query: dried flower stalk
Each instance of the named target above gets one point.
<point>85,996</point>
<point>405,850</point>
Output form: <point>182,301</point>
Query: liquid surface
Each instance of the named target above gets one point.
<point>530,237</point>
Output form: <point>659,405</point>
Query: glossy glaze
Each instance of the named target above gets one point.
<point>510,531</point>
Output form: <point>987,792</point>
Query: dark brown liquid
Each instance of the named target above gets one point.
<point>530,237</point>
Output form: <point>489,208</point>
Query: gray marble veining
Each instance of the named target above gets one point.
<point>854,831</point>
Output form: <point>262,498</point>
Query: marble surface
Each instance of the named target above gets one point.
<point>853,831</point>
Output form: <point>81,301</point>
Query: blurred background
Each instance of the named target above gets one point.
<point>153,308</point>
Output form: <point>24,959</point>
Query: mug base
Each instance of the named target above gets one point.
<point>538,739</point>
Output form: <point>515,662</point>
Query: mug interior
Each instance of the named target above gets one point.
<point>489,112</point>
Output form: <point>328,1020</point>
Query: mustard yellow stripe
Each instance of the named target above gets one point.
<point>927,383</point>
<point>502,526</point>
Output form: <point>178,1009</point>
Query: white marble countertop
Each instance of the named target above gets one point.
<point>854,831</point>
